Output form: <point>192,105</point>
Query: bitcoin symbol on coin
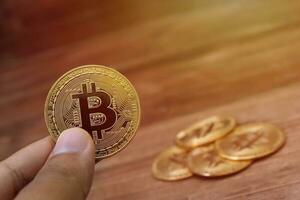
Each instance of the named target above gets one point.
<point>96,114</point>
<point>248,140</point>
<point>179,158</point>
<point>212,159</point>
<point>207,128</point>
<point>202,131</point>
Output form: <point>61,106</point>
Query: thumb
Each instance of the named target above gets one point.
<point>68,173</point>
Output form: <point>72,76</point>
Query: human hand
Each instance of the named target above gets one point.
<point>44,171</point>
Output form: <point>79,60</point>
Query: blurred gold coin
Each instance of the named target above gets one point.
<point>171,165</point>
<point>251,141</point>
<point>204,132</point>
<point>205,161</point>
<point>98,99</point>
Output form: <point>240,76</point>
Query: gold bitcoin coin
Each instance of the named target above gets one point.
<point>204,132</point>
<point>98,99</point>
<point>205,161</point>
<point>251,141</point>
<point>171,165</point>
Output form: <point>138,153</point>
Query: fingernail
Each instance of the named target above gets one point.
<point>72,140</point>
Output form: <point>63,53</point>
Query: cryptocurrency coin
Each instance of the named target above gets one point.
<point>98,99</point>
<point>205,161</point>
<point>251,141</point>
<point>171,165</point>
<point>205,132</point>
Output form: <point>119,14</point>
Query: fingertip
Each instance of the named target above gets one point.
<point>74,140</point>
<point>76,130</point>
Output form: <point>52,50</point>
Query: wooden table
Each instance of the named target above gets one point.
<point>187,59</point>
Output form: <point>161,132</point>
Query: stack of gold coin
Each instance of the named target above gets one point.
<point>216,147</point>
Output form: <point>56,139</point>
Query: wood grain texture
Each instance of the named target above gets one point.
<point>187,59</point>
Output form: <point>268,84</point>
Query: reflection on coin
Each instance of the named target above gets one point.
<point>204,132</point>
<point>205,161</point>
<point>251,141</point>
<point>170,165</point>
<point>98,99</point>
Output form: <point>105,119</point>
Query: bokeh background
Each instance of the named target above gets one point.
<point>187,59</point>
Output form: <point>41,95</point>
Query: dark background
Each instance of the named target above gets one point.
<point>187,60</point>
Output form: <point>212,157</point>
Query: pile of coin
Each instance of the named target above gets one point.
<point>216,147</point>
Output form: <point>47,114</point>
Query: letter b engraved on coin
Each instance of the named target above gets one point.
<point>248,140</point>
<point>97,115</point>
<point>212,159</point>
<point>204,130</point>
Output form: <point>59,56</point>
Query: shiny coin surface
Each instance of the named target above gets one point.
<point>205,161</point>
<point>251,141</point>
<point>171,165</point>
<point>204,132</point>
<point>98,99</point>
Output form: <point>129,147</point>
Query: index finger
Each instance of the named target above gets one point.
<point>20,168</point>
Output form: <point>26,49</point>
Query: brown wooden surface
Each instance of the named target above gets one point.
<point>187,59</point>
